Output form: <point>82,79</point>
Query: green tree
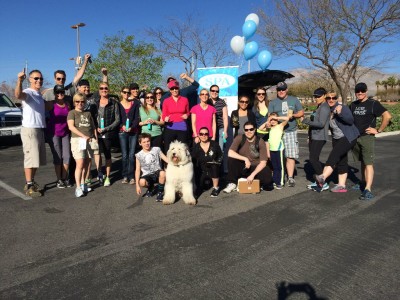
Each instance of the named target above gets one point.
<point>126,62</point>
<point>334,35</point>
<point>391,81</point>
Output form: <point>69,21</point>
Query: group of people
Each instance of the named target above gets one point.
<point>84,124</point>
<point>353,128</point>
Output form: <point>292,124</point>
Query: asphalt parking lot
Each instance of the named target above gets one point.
<point>114,244</point>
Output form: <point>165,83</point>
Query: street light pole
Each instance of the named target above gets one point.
<point>78,58</point>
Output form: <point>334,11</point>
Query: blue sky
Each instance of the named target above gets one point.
<point>40,31</point>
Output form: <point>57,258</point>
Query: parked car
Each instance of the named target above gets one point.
<point>10,117</point>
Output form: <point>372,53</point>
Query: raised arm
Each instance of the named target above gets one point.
<point>82,70</point>
<point>19,94</point>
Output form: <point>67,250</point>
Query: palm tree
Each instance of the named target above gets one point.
<point>391,81</point>
<point>385,85</point>
<point>377,83</point>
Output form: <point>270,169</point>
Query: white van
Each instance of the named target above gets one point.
<point>10,117</point>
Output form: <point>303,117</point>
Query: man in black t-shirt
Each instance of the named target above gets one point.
<point>365,111</point>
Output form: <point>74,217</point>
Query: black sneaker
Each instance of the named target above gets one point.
<point>149,193</point>
<point>160,197</point>
<point>215,192</point>
<point>67,183</point>
<point>61,184</point>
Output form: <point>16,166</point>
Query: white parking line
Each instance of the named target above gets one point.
<point>14,191</point>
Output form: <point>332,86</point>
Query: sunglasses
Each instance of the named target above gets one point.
<point>60,78</point>
<point>59,93</point>
<point>317,96</point>
<point>174,88</point>
<point>249,129</point>
<point>37,78</point>
<point>103,88</point>
<point>361,91</point>
<point>260,94</point>
<point>214,91</point>
<point>203,94</point>
<point>330,98</point>
<point>244,102</point>
<point>158,93</point>
<point>280,90</point>
<point>125,92</point>
<point>79,102</point>
<point>203,133</point>
<point>149,97</point>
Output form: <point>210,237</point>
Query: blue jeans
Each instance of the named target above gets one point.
<point>128,145</point>
<point>220,138</point>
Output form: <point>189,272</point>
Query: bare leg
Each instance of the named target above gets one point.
<point>215,182</point>
<point>369,176</point>
<point>290,166</point>
<point>342,179</point>
<point>79,171</point>
<point>108,167</point>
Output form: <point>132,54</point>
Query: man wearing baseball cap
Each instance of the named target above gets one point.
<point>365,111</point>
<point>285,105</point>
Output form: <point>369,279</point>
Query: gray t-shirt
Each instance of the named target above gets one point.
<point>69,91</point>
<point>281,107</point>
<point>242,121</point>
<point>337,133</point>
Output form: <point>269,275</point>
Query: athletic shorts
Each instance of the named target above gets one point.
<point>291,144</point>
<point>364,150</point>
<point>152,178</point>
<point>33,145</point>
<point>92,148</point>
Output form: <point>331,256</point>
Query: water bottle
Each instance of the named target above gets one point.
<point>149,126</point>
<point>102,123</point>
<point>223,137</point>
<point>127,124</point>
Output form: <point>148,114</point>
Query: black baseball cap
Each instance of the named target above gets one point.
<point>319,92</point>
<point>83,82</point>
<point>361,87</point>
<point>58,88</point>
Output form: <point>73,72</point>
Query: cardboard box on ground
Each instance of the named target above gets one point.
<point>245,188</point>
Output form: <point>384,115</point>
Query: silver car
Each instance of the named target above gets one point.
<point>10,117</point>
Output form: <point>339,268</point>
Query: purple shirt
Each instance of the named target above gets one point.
<point>57,125</point>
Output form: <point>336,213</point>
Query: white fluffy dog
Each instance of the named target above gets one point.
<point>179,174</point>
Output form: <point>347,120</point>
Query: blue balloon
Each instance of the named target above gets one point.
<point>250,50</point>
<point>249,29</point>
<point>264,59</point>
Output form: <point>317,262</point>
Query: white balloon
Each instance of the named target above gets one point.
<point>237,44</point>
<point>253,17</point>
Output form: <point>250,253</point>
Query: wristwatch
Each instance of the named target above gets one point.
<point>379,131</point>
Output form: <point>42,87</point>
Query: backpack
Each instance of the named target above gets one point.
<point>257,143</point>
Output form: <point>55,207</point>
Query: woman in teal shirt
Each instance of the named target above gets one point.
<point>150,120</point>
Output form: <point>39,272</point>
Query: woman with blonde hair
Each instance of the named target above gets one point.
<point>344,137</point>
<point>84,141</point>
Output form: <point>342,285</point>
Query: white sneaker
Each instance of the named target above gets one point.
<point>229,188</point>
<point>85,188</point>
<point>78,192</point>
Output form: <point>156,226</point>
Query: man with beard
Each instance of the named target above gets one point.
<point>247,157</point>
